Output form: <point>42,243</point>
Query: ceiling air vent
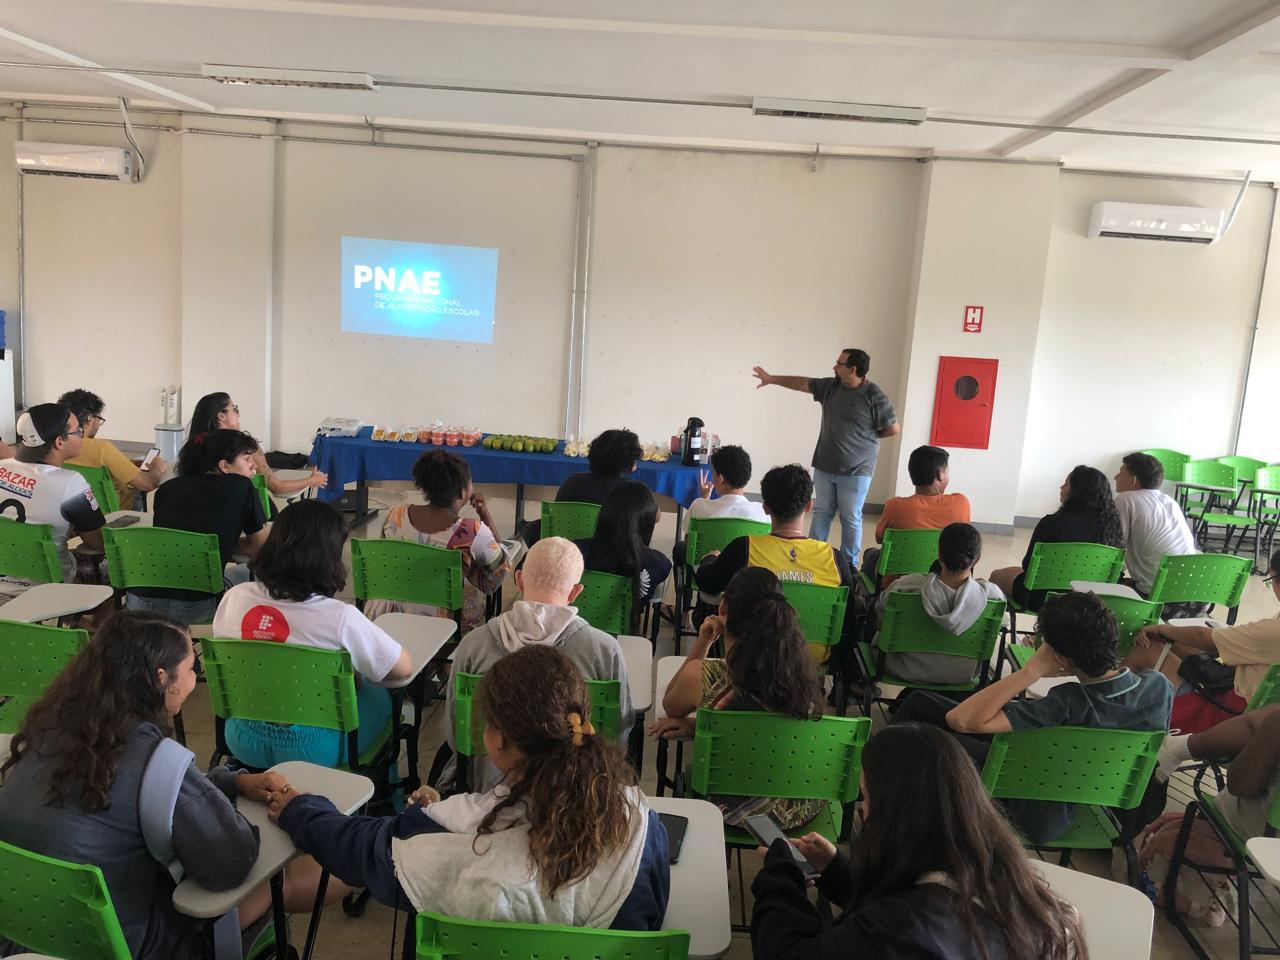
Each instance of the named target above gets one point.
<point>275,77</point>
<point>832,110</point>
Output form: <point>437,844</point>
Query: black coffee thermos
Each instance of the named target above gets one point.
<point>691,452</point>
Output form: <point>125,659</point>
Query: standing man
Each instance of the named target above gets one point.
<point>856,415</point>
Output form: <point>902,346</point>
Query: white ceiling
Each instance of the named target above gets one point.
<point>1206,68</point>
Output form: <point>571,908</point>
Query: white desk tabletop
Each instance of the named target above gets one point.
<point>348,791</point>
<point>1265,852</point>
<point>1106,589</point>
<point>422,636</point>
<point>1117,918</point>
<point>638,653</point>
<point>699,899</point>
<point>49,601</point>
<point>1042,686</point>
<point>1175,622</point>
<point>667,668</point>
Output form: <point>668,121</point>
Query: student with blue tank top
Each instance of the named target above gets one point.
<point>299,569</point>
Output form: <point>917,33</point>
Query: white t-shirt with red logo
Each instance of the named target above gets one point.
<point>247,611</point>
<point>42,493</point>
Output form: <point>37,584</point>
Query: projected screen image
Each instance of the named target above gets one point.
<point>425,290</point>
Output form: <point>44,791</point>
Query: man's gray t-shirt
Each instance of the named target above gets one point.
<point>852,418</point>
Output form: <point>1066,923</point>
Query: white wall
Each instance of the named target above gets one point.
<point>707,264</point>
<point>1141,344</point>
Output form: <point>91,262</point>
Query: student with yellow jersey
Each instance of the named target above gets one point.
<point>786,549</point>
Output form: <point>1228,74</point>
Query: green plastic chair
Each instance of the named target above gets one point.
<point>1202,578</point>
<point>1268,691</point>
<point>101,483</point>
<point>1094,768</point>
<point>907,628</point>
<point>27,551</point>
<point>903,551</point>
<point>820,610</point>
<point>30,657</point>
<point>1246,467</point>
<point>606,602</point>
<point>160,557</point>
<point>1264,504</point>
<point>1204,484</point>
<point>569,519</point>
<point>264,494</point>
<point>1171,460</point>
<point>716,533</point>
<point>59,908</point>
<point>451,938</point>
<point>408,572</point>
<point>287,683</point>
<point>1131,616</point>
<point>750,753</point>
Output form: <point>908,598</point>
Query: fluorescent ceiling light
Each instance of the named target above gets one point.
<point>276,77</point>
<point>831,110</point>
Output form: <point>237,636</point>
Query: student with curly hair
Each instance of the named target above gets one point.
<point>126,476</point>
<point>612,459</point>
<point>936,872</point>
<point>566,837</point>
<point>1087,515</point>
<point>293,600</point>
<point>445,481</point>
<point>1079,639</point>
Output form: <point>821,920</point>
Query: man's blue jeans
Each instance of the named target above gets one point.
<point>832,493</point>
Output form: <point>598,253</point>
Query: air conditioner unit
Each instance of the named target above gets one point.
<point>1155,221</point>
<point>75,160</point>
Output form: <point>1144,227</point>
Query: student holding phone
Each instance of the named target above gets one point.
<point>128,477</point>
<point>936,871</point>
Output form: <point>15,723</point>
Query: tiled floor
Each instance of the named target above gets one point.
<point>343,938</point>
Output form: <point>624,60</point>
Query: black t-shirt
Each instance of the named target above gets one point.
<point>224,504</point>
<point>586,488</point>
<point>1063,526</point>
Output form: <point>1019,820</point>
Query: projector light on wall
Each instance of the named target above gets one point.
<point>832,110</point>
<point>275,77</point>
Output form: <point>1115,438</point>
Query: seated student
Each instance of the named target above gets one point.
<point>729,475</point>
<point>215,411</point>
<point>786,550</point>
<point>612,458</point>
<point>1079,637</point>
<point>299,570</point>
<point>445,480</point>
<point>548,582</point>
<point>211,494</point>
<point>953,597</point>
<point>565,838</point>
<point>765,667</point>
<point>1087,515</point>
<point>127,476</point>
<point>1152,523</point>
<point>72,783</point>
<point>935,872</point>
<point>37,488</point>
<point>929,508</point>
<point>621,542</point>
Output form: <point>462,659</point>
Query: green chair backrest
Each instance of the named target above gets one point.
<point>101,483</point>
<point>30,657</point>
<point>757,754</point>
<point>1072,765</point>
<point>606,601</point>
<point>569,519</point>
<point>1054,565</point>
<point>907,628</point>
<point>1131,616</point>
<point>1203,578</point>
<point>264,495</point>
<point>280,683</point>
<point>468,724</point>
<point>1246,467</point>
<point>1268,691</point>
<point>160,557</point>
<point>1267,478</point>
<point>451,938</point>
<point>406,571</point>
<point>908,551</point>
<point>1211,473</point>
<point>27,551</point>
<point>1171,460</point>
<point>716,533</point>
<point>820,610</point>
<point>58,908</point>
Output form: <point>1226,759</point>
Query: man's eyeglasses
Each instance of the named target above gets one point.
<point>99,417</point>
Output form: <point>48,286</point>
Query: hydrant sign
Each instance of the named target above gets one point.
<point>973,319</point>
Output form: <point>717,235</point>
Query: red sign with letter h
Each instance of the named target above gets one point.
<point>973,319</point>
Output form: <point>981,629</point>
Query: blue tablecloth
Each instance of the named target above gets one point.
<point>351,459</point>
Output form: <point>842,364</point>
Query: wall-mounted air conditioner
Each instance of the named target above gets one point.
<point>1155,221</point>
<point>75,160</point>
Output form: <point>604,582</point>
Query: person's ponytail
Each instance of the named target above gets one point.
<point>204,451</point>
<point>768,658</point>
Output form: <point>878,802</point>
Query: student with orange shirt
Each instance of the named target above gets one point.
<point>929,508</point>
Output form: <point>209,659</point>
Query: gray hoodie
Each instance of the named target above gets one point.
<point>595,653</point>
<point>955,610</point>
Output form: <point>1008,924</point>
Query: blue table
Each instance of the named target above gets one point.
<point>360,459</point>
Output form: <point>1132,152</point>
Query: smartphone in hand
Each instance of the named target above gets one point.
<point>766,829</point>
<point>149,458</point>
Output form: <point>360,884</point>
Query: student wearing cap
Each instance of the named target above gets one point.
<point>35,487</point>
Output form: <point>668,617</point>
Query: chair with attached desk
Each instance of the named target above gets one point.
<point>407,572</point>
<point>821,612</point>
<point>1210,578</point>
<point>1210,493</point>
<point>452,938</point>
<point>27,552</point>
<point>569,519</point>
<point>903,552</point>
<point>606,602</point>
<point>1171,461</point>
<point>1098,770</point>
<point>30,657</point>
<point>57,907</point>
<point>164,558</point>
<point>101,484</point>
<point>1131,616</point>
<point>1264,504</point>
<point>706,536</point>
